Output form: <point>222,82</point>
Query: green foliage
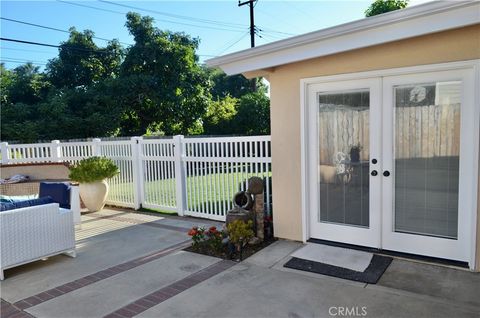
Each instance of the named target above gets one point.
<point>383,6</point>
<point>239,232</point>
<point>253,115</point>
<point>234,86</point>
<point>81,62</point>
<point>210,239</point>
<point>220,115</point>
<point>249,115</point>
<point>163,88</point>
<point>93,169</point>
<point>155,87</point>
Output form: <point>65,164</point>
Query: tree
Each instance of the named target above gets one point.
<point>219,117</point>
<point>253,115</point>
<point>22,89</point>
<point>235,85</point>
<point>162,85</point>
<point>81,62</point>
<point>382,6</point>
<point>24,85</point>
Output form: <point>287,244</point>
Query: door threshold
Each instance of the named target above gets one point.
<point>408,256</point>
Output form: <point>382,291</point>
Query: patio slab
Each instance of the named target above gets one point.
<point>112,293</point>
<point>94,253</point>
<point>274,253</point>
<point>258,287</point>
<point>247,290</point>
<point>460,286</point>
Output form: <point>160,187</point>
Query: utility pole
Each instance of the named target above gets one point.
<point>252,31</point>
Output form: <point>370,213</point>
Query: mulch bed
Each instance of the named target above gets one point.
<point>225,253</point>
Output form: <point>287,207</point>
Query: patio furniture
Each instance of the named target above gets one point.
<point>65,194</point>
<point>38,173</point>
<point>33,233</point>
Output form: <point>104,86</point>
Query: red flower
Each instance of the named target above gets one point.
<point>193,232</point>
<point>213,229</point>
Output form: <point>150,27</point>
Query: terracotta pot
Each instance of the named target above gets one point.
<point>94,195</point>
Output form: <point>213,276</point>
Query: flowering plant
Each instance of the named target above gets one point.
<point>197,234</point>
<point>211,238</point>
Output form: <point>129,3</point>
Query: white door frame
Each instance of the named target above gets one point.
<point>457,249</point>
<point>306,140</point>
<point>344,233</point>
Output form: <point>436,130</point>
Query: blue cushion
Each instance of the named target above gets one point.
<point>59,191</point>
<point>16,198</point>
<point>5,199</point>
<point>23,204</point>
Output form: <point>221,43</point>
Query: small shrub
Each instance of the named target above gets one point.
<point>93,169</point>
<point>240,232</point>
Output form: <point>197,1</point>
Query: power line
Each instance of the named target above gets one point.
<point>23,50</point>
<point>20,61</point>
<point>172,15</point>
<point>15,58</point>
<point>64,46</point>
<point>162,20</point>
<point>52,28</point>
<point>235,41</point>
<point>277,32</point>
<point>91,7</point>
<point>29,42</point>
<point>58,46</point>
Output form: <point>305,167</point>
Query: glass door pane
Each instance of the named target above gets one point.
<point>344,150</point>
<point>427,153</point>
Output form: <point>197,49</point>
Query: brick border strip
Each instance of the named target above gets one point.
<point>159,296</point>
<point>139,222</point>
<point>7,310</point>
<point>98,276</point>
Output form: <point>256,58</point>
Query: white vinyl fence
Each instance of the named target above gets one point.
<point>190,176</point>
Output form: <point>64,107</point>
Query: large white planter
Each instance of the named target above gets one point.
<point>94,195</point>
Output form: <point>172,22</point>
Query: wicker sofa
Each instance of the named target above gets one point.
<point>33,233</point>
<point>38,172</point>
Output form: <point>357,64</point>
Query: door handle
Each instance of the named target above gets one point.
<point>386,173</point>
<point>374,173</point>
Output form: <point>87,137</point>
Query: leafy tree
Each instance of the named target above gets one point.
<point>253,115</point>
<point>383,6</point>
<point>219,117</point>
<point>234,85</point>
<point>33,110</point>
<point>162,85</point>
<point>24,85</point>
<point>21,90</point>
<point>81,62</point>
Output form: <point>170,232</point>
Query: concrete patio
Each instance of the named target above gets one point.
<point>132,264</point>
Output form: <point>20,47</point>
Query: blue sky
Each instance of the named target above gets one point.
<point>222,26</point>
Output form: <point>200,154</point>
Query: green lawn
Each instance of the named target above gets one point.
<point>210,192</point>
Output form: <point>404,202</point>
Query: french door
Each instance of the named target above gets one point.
<point>345,124</point>
<point>392,160</point>
<point>428,150</point>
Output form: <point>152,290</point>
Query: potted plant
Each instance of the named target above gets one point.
<point>355,153</point>
<point>92,173</point>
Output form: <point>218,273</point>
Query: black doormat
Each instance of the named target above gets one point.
<point>371,275</point>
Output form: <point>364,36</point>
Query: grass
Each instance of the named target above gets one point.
<point>209,192</point>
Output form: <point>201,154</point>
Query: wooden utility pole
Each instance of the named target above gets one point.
<point>252,31</point>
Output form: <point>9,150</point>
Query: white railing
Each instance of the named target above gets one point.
<point>190,176</point>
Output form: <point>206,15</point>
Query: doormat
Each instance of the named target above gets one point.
<point>340,262</point>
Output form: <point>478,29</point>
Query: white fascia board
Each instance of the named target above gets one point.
<point>419,20</point>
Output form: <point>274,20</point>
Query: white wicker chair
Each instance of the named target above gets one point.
<point>33,233</point>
